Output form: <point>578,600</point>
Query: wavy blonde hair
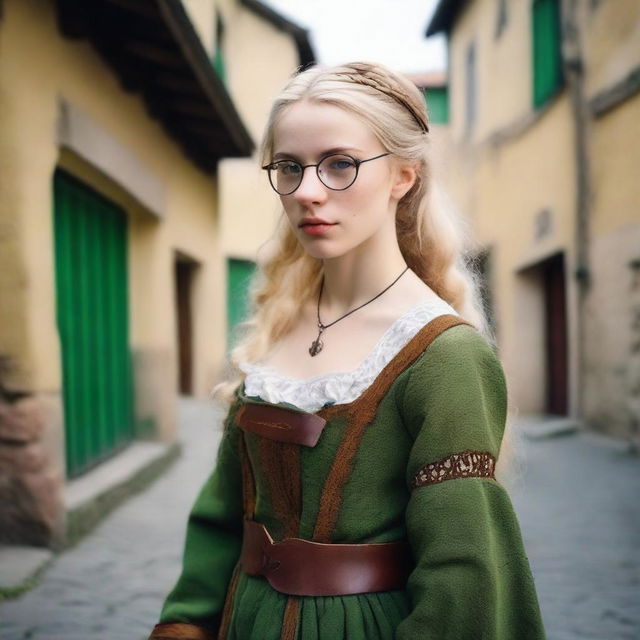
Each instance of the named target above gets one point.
<point>432,236</point>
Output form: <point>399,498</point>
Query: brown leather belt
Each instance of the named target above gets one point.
<point>305,568</point>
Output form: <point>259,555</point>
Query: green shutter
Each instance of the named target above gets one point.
<point>239,273</point>
<point>219,64</point>
<point>546,42</point>
<point>218,56</point>
<point>92,317</point>
<point>437,104</point>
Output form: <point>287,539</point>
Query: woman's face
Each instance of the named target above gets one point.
<point>306,133</point>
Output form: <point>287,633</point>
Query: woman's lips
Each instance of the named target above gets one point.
<point>316,229</point>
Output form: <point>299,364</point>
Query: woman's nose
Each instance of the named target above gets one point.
<point>310,189</point>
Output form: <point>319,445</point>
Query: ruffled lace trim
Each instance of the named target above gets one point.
<point>314,393</point>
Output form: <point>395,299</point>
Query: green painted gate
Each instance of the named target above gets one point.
<point>92,317</point>
<point>239,273</point>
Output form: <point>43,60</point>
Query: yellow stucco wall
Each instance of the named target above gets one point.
<point>612,383</point>
<point>514,183</point>
<point>259,58</point>
<point>510,167</point>
<point>615,148</point>
<point>202,14</point>
<point>516,163</point>
<point>503,91</point>
<point>611,33</point>
<point>38,68</point>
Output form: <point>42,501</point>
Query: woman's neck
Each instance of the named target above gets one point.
<point>352,280</point>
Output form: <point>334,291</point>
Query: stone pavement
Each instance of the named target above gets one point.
<point>578,501</point>
<point>110,586</point>
<point>576,497</point>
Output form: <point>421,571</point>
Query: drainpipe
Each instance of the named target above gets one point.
<point>573,69</point>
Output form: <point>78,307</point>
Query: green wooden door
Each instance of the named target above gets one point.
<point>92,317</point>
<point>239,273</point>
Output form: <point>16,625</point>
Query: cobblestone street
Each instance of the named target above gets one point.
<point>580,516</point>
<point>111,585</point>
<point>577,501</point>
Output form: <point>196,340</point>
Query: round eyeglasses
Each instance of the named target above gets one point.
<point>337,171</point>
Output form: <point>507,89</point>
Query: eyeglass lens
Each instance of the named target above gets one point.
<point>335,172</point>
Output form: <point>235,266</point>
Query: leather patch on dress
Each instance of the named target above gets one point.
<point>466,464</point>
<point>280,423</point>
<point>180,631</point>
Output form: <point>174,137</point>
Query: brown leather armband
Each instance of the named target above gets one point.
<point>180,631</point>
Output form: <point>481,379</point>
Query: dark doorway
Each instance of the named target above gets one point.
<point>553,277</point>
<point>185,269</point>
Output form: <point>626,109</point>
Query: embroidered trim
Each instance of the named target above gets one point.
<point>466,464</point>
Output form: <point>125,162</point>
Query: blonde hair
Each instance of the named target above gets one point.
<point>432,236</point>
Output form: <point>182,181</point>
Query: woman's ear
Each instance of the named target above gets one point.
<point>405,177</point>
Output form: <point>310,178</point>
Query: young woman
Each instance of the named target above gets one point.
<point>354,494</point>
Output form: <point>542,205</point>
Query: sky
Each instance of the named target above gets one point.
<point>387,31</point>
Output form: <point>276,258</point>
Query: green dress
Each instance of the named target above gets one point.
<point>412,457</point>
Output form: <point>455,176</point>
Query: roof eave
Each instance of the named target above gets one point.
<point>306,55</point>
<point>444,16</point>
<point>155,51</point>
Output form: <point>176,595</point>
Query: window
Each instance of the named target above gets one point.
<point>501,19</point>
<point>218,60</point>
<point>546,54</point>
<point>437,99</point>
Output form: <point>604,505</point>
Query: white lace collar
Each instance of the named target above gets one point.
<point>313,393</point>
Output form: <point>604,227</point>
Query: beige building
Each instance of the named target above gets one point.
<point>118,121</point>
<point>544,106</point>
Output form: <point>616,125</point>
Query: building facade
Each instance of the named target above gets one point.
<point>115,119</point>
<point>543,97</point>
<point>256,50</point>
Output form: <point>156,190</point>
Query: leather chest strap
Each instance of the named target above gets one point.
<point>280,423</point>
<point>304,568</point>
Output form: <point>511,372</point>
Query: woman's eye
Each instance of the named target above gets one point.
<point>289,168</point>
<point>341,164</point>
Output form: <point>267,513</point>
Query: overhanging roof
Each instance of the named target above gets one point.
<point>444,16</point>
<point>300,35</point>
<point>155,51</point>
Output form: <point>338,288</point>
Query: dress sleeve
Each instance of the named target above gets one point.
<point>471,577</point>
<point>193,608</point>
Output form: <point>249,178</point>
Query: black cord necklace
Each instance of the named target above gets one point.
<point>317,344</point>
